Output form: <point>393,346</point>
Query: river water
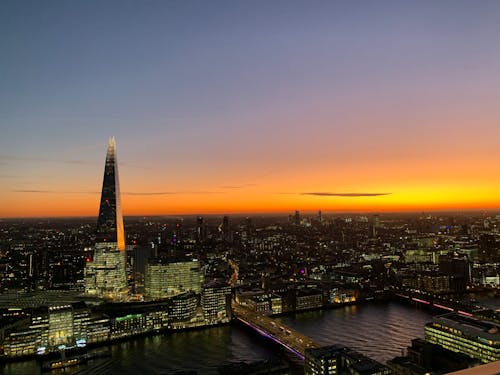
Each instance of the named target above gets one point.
<point>378,330</point>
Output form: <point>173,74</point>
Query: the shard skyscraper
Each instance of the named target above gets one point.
<point>110,220</point>
<point>105,274</point>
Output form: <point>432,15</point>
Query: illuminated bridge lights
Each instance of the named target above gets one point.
<point>442,307</point>
<point>276,340</point>
<point>290,339</point>
<point>421,301</point>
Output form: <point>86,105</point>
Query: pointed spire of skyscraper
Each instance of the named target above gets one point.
<point>110,221</point>
<point>105,274</point>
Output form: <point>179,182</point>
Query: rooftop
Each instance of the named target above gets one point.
<point>469,326</point>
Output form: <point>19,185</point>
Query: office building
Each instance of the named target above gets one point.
<point>465,334</point>
<point>49,329</point>
<point>423,358</point>
<point>354,363</point>
<point>322,361</point>
<point>336,359</point>
<point>167,278</point>
<point>433,282</point>
<point>60,328</point>
<point>182,308</point>
<point>105,273</point>
<point>110,220</point>
<point>216,303</point>
<point>308,299</point>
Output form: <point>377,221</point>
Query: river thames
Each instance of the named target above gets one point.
<point>378,330</point>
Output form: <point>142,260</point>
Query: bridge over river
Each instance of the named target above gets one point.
<point>292,340</point>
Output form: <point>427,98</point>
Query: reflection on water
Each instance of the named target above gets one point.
<point>378,330</point>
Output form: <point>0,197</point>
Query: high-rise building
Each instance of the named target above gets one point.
<point>110,221</point>
<point>105,274</point>
<point>167,278</point>
<point>457,268</point>
<point>225,229</point>
<point>201,230</point>
<point>296,218</point>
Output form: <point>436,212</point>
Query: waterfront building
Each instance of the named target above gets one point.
<point>168,278</point>
<point>40,325</point>
<point>81,319</point>
<point>105,273</point>
<point>322,361</point>
<point>260,303</point>
<point>128,325</point>
<point>216,303</point>
<point>20,343</point>
<point>268,304</point>
<point>433,282</point>
<point>183,310</point>
<point>60,328</point>
<point>341,295</point>
<point>97,329</point>
<point>308,299</point>
<point>424,358</point>
<point>276,304</point>
<point>458,268</point>
<point>50,329</point>
<point>336,359</point>
<point>465,334</point>
<point>354,363</point>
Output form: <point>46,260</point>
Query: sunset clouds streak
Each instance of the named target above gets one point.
<point>124,193</point>
<point>347,195</point>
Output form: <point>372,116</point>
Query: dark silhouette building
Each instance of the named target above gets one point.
<point>457,268</point>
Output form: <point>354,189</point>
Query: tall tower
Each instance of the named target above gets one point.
<point>105,274</point>
<point>110,221</point>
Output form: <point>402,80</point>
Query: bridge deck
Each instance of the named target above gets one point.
<point>292,340</point>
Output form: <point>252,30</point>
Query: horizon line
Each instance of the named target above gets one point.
<point>267,213</point>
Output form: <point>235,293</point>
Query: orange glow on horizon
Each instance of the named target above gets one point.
<point>403,199</point>
<point>425,183</point>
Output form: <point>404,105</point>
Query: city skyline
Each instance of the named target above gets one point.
<point>250,108</point>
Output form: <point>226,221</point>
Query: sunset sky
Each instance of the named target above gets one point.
<point>250,106</point>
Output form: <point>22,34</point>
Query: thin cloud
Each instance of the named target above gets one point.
<point>54,191</point>
<point>124,193</point>
<point>348,195</point>
<point>236,186</point>
<point>172,192</point>
<point>4,159</point>
<point>202,192</point>
<point>150,193</point>
<point>41,160</point>
<point>137,166</point>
